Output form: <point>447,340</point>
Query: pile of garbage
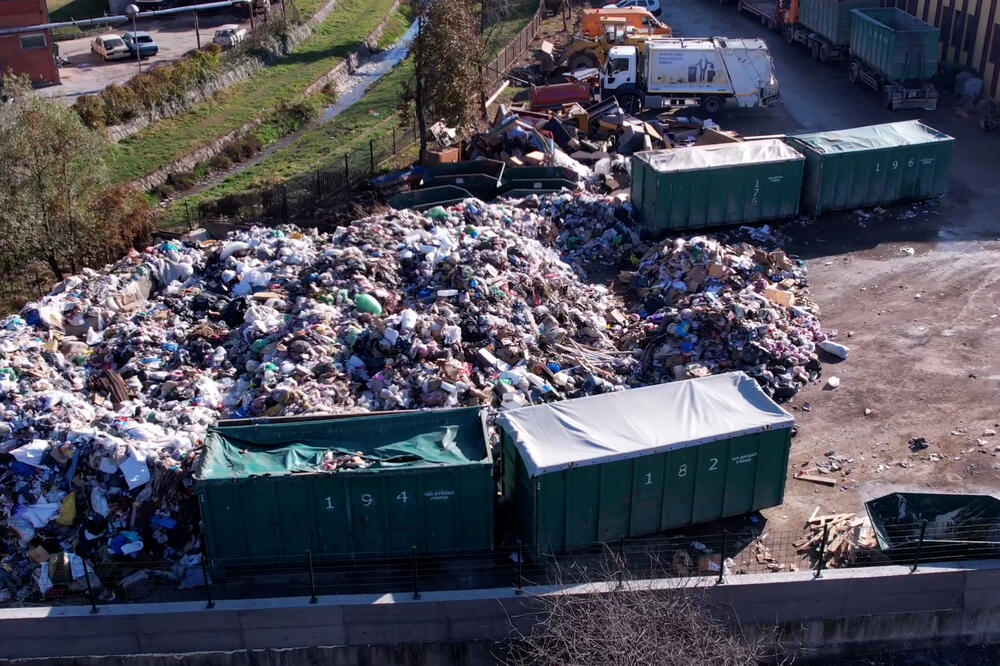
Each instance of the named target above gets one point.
<point>708,307</point>
<point>109,383</point>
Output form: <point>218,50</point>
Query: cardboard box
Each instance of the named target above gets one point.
<point>437,156</point>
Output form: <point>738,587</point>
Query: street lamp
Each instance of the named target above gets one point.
<point>132,10</point>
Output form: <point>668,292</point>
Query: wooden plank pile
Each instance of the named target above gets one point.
<point>846,533</point>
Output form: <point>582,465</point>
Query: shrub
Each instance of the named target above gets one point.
<point>221,162</point>
<point>164,191</point>
<point>183,180</point>
<point>250,145</point>
<point>121,104</point>
<point>90,108</point>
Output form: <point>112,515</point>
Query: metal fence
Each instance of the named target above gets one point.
<point>500,65</point>
<point>717,556</point>
<point>295,201</point>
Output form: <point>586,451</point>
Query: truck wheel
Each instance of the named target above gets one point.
<point>629,103</point>
<point>789,34</point>
<point>814,49</point>
<point>712,104</point>
<point>824,52</point>
<point>853,72</point>
<point>582,61</point>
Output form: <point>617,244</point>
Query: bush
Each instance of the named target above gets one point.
<point>290,116</point>
<point>90,108</point>
<point>150,90</point>
<point>121,104</point>
<point>183,180</point>
<point>221,162</point>
<point>250,145</point>
<point>164,191</point>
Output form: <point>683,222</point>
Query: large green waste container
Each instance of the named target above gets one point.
<point>267,495</point>
<point>898,44</point>
<point>704,186</point>
<point>636,462</point>
<point>831,19</point>
<point>872,165</point>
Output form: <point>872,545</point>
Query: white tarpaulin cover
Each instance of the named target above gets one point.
<point>720,155</point>
<point>639,422</point>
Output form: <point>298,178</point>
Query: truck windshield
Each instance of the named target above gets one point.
<point>616,65</point>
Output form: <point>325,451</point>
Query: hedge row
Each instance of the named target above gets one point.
<point>153,89</point>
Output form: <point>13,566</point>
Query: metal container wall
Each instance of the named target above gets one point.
<point>579,506</point>
<point>736,186</point>
<point>831,18</point>
<point>899,45</point>
<point>378,511</point>
<point>871,165</point>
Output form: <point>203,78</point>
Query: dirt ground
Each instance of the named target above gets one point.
<point>923,329</point>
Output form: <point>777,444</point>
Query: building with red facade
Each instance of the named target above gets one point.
<point>31,52</point>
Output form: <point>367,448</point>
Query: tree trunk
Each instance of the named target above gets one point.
<point>418,89</point>
<point>53,263</point>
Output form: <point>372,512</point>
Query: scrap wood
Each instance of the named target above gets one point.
<point>815,479</point>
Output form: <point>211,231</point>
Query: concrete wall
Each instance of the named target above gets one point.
<point>836,614</point>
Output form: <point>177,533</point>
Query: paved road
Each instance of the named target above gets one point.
<point>87,74</point>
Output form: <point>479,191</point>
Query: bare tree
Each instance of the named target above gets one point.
<point>449,57</point>
<point>630,623</point>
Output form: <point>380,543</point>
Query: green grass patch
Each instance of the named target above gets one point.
<point>373,117</point>
<point>397,25</point>
<point>500,33</point>
<point>169,139</point>
<point>64,10</point>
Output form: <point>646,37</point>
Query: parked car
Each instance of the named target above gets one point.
<point>141,42</point>
<point>228,36</point>
<point>653,6</point>
<point>109,47</point>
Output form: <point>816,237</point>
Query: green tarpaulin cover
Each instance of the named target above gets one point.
<point>391,441</point>
<point>872,137</point>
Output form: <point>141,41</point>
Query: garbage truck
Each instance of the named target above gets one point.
<point>712,72</point>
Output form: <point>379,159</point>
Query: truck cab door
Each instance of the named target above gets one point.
<point>618,72</point>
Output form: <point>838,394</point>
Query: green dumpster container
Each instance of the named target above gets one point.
<point>872,165</point>
<point>704,186</point>
<point>428,197</point>
<point>480,177</point>
<point>637,462</point>
<point>267,493</point>
<point>831,19</point>
<point>898,44</point>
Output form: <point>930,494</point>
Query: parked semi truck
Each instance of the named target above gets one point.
<point>894,53</point>
<point>886,49</point>
<point>676,71</point>
<point>824,26</point>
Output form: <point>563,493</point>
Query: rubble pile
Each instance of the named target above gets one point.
<point>708,307</point>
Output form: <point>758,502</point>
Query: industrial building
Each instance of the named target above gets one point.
<point>28,53</point>
<point>970,34</point>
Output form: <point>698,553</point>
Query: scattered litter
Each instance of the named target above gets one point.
<point>918,443</point>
